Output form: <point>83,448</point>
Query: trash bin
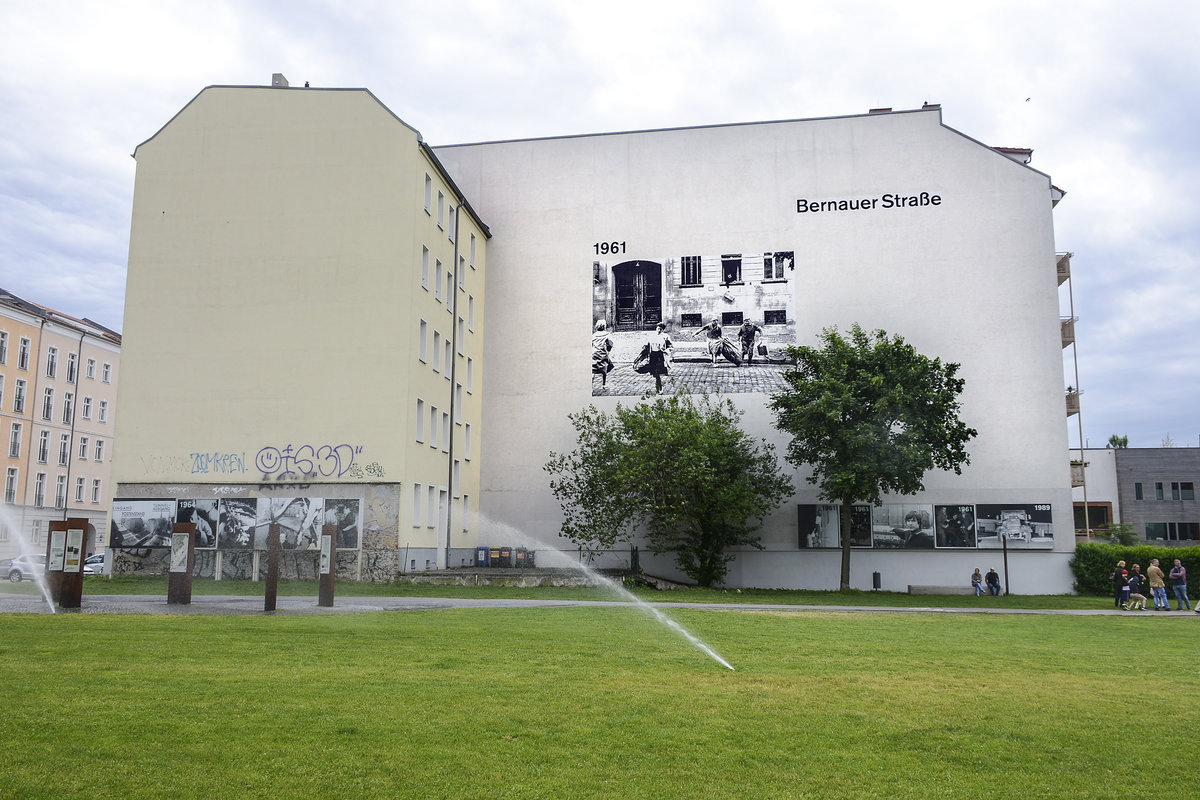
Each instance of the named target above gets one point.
<point>876,581</point>
<point>500,557</point>
<point>481,556</point>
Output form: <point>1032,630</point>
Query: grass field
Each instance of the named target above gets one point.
<point>599,702</point>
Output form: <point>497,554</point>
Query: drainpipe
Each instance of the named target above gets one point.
<point>453,367</point>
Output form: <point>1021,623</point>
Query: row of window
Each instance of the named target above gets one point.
<point>64,446</point>
<point>773,267</point>
<point>443,346</point>
<point>1180,490</point>
<point>60,489</point>
<point>1173,531</point>
<point>439,278</point>
<point>23,348</point>
<point>734,318</point>
<point>435,503</point>
<point>435,416</point>
<point>68,407</point>
<point>446,216</point>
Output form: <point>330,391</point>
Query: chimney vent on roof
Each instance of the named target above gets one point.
<point>927,105</point>
<point>277,79</point>
<point>879,111</point>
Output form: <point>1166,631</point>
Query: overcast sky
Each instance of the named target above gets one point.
<point>1105,93</point>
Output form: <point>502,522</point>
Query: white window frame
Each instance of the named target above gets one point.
<point>90,371</point>
<point>80,486</point>
<point>11,477</point>
<point>19,396</point>
<point>428,192</point>
<point>43,447</point>
<point>64,449</point>
<point>99,450</point>
<point>102,411</point>
<point>87,407</point>
<point>416,505</point>
<point>14,440</point>
<point>72,367</point>
<point>422,341</point>
<point>424,267</point>
<point>85,447</point>
<point>48,403</point>
<point>420,420</point>
<point>95,490</point>
<point>39,490</point>
<point>106,372</point>
<point>23,353</point>
<point>60,491</point>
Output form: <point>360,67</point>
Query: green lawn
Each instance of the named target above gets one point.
<point>599,702</point>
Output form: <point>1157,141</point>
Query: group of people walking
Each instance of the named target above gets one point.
<point>1129,585</point>
<point>655,355</point>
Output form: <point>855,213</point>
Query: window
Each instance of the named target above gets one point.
<point>731,318</point>
<point>775,263</point>
<point>87,408</point>
<point>775,317</point>
<point>1183,491</point>
<point>431,508</point>
<point>19,397</point>
<point>690,321</point>
<point>102,412</point>
<point>1158,491</point>
<point>433,426</point>
<point>1,391</point>
<point>422,338</point>
<point>466,512</point>
<point>64,449</point>
<point>437,352</point>
<point>428,192</point>
<point>457,476</point>
<point>472,251</point>
<point>437,279</point>
<point>731,268</point>
<point>60,492</point>
<point>416,505</point>
<point>23,354</point>
<point>10,485</point>
<point>48,404</point>
<point>99,449</point>
<point>4,336</point>
<point>80,482</point>
<point>470,374</point>
<point>449,358</point>
<point>39,490</point>
<point>458,400</point>
<point>14,441</point>
<point>441,217</point>
<point>83,448</point>
<point>462,272</point>
<point>471,313</point>
<point>449,291</point>
<point>424,267</point>
<point>106,373</point>
<point>445,431</point>
<point>689,272</point>
<point>72,367</point>
<point>43,451</point>
<point>461,336</point>
<point>95,490</point>
<point>51,362</point>
<point>467,441</point>
<point>450,223</point>
<point>1137,492</point>
<point>68,407</point>
<point>90,370</point>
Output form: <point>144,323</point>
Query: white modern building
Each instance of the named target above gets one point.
<point>279,295</point>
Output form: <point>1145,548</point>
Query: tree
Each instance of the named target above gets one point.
<point>1119,533</point>
<point>1118,442</point>
<point>681,470</point>
<point>869,415</point>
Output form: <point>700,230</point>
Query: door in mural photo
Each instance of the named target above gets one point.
<point>638,289</point>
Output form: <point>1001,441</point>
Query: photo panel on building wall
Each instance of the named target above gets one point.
<point>204,515</point>
<point>1028,526</point>
<point>299,520</point>
<point>138,523</point>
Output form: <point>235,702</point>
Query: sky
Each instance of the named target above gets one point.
<point>1105,93</point>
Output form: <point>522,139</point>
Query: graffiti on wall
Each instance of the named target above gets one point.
<point>307,461</point>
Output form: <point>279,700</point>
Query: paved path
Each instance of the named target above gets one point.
<point>301,606</point>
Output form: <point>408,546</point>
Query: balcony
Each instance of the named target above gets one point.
<point>1063,267</point>
<point>1068,331</point>
<point>1072,402</point>
<point>1077,468</point>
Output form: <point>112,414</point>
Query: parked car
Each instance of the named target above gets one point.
<point>94,564</point>
<point>26,567</point>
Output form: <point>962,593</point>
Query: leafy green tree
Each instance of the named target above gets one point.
<point>678,468</point>
<point>869,414</point>
<point>1119,533</point>
<point>1117,442</point>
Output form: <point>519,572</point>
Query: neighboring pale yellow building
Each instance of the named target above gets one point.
<point>304,312</point>
<point>58,386</point>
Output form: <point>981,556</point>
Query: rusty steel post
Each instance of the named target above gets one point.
<point>183,559</point>
<point>327,572</point>
<point>272,589</point>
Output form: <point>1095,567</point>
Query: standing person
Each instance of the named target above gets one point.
<point>715,338</point>
<point>746,335</point>
<point>993,582</point>
<point>660,348</point>
<point>1179,584</point>
<point>1120,584</point>
<point>1158,586</point>
<point>977,582</point>
<point>602,345</point>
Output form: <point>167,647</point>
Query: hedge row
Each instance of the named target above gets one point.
<point>1093,565</point>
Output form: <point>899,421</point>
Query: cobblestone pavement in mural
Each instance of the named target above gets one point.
<point>696,377</point>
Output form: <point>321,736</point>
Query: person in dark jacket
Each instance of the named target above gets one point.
<point>1120,583</point>
<point>993,582</point>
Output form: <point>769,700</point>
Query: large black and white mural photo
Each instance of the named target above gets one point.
<point>140,523</point>
<point>696,323</point>
<point>917,526</point>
